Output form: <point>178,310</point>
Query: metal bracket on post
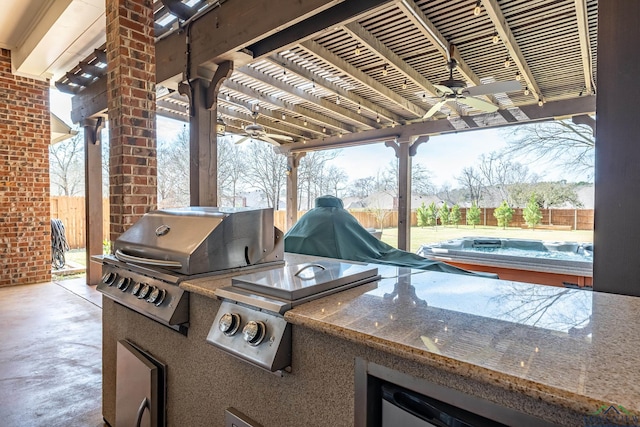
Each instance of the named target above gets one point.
<point>185,90</point>
<point>222,73</point>
<point>93,128</point>
<point>585,119</point>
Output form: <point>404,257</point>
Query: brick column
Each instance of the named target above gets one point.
<point>25,211</point>
<point>131,102</point>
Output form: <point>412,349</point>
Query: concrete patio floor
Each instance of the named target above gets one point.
<point>50,355</point>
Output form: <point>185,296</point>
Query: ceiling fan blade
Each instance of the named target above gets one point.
<point>478,104</point>
<point>496,87</point>
<point>276,136</point>
<point>436,107</point>
<point>243,139</point>
<point>265,138</point>
<point>444,89</point>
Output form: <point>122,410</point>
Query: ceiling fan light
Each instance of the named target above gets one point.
<point>526,91</point>
<point>384,71</point>
<point>507,63</point>
<point>518,76</point>
<point>305,122</point>
<point>324,130</point>
<point>284,116</point>
<point>495,39</point>
<point>221,127</point>
<point>228,97</point>
<point>476,10</point>
<point>540,103</point>
<point>404,84</point>
<point>338,100</point>
<point>378,118</point>
<point>357,51</point>
<point>424,97</point>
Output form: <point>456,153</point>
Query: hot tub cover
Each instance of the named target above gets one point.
<point>328,230</point>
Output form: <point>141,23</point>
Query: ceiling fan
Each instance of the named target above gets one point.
<point>452,90</point>
<point>257,131</point>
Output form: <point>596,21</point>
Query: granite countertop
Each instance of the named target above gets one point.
<point>575,348</point>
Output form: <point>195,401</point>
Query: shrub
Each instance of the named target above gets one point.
<point>421,213</point>
<point>473,215</point>
<point>444,214</point>
<point>455,216</point>
<point>503,214</point>
<point>531,213</point>
<point>432,214</point>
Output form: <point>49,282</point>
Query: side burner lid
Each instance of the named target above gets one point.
<point>296,281</point>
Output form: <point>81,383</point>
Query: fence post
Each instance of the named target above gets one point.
<point>575,219</point>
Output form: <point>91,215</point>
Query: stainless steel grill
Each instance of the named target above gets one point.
<point>166,247</point>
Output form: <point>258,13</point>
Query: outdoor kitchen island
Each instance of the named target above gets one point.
<point>559,354</point>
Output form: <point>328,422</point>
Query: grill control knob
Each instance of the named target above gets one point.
<point>144,291</point>
<point>254,332</point>
<point>157,296</point>
<point>136,288</point>
<point>123,283</point>
<point>109,278</point>
<point>229,323</point>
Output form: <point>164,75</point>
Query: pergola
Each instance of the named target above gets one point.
<point>329,73</point>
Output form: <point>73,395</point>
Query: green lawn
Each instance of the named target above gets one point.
<point>424,235</point>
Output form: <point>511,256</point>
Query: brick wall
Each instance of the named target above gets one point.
<point>131,103</point>
<point>25,230</point>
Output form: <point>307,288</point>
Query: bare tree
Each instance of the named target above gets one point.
<point>500,173</point>
<point>566,143</point>
<point>173,171</point>
<point>473,183</point>
<point>362,187</point>
<point>420,179</point>
<point>266,169</point>
<point>312,175</point>
<point>232,168</point>
<point>66,166</point>
<point>336,180</point>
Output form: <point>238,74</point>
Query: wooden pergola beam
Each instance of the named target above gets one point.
<point>342,65</point>
<point>308,74</point>
<point>550,111</point>
<point>504,32</point>
<point>291,108</point>
<point>345,113</point>
<point>308,131</point>
<point>413,12</point>
<point>585,43</point>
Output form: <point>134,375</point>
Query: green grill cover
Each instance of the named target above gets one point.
<point>330,231</point>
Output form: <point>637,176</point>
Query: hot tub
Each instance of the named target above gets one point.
<point>522,260</point>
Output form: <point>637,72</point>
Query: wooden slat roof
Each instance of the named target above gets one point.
<point>377,72</point>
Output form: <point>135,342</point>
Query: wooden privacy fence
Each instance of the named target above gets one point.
<point>573,219</point>
<point>70,210</point>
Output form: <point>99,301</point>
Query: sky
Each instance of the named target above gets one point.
<point>444,156</point>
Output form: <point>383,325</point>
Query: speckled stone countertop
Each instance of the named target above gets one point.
<point>574,348</point>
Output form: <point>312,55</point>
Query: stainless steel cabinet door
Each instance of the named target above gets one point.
<point>139,388</point>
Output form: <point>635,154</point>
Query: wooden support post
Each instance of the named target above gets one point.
<point>203,141</point>
<point>93,197</point>
<point>293,161</point>
<point>404,150</point>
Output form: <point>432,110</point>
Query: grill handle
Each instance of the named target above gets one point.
<point>297,274</point>
<point>147,261</point>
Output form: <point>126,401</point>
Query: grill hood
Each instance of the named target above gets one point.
<point>197,240</point>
